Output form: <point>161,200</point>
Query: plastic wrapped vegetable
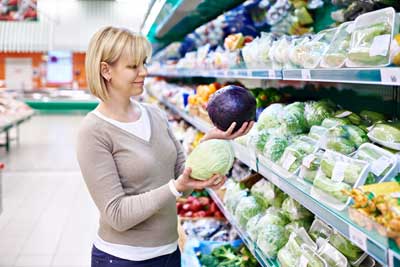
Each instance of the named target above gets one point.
<point>280,52</point>
<point>270,117</point>
<point>331,255</point>
<point>330,187</point>
<point>386,134</point>
<point>258,140</point>
<point>271,239</point>
<point>252,228</point>
<point>294,210</point>
<point>372,117</point>
<point>349,115</point>
<point>275,147</point>
<point>271,216</point>
<point>336,54</point>
<point>286,258</point>
<point>264,192</point>
<point>319,229</point>
<point>293,118</point>
<point>317,132</point>
<point>316,112</point>
<point>341,145</point>
<point>310,258</point>
<point>352,252</point>
<point>332,122</point>
<point>309,166</point>
<point>313,50</point>
<point>247,208</point>
<point>356,135</point>
<point>294,154</point>
<point>234,193</point>
<point>295,225</point>
<point>370,40</point>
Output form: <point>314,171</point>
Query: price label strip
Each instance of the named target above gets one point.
<point>390,76</point>
<point>306,74</point>
<point>358,238</point>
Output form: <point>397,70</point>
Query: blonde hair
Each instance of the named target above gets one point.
<point>107,45</point>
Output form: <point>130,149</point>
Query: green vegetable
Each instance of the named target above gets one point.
<point>293,118</point>
<point>313,259</point>
<point>316,112</point>
<point>208,260</point>
<point>341,145</point>
<point>286,258</point>
<point>327,166</point>
<point>295,225</point>
<point>307,174</point>
<point>332,122</point>
<point>356,135</point>
<point>386,133</point>
<point>234,193</point>
<point>275,148</point>
<point>316,132</point>
<point>269,117</point>
<point>294,210</point>
<point>352,172</point>
<point>342,244</point>
<point>271,239</point>
<point>247,208</point>
<point>252,228</point>
<point>211,157</point>
<point>372,117</point>
<point>332,188</point>
<point>264,192</point>
<point>352,117</point>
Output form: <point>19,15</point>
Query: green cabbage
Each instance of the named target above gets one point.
<point>269,117</point>
<point>234,193</point>
<point>259,139</point>
<point>271,239</point>
<point>211,157</point>
<point>271,217</point>
<point>341,145</point>
<point>332,122</point>
<point>275,148</point>
<point>386,133</point>
<point>316,112</point>
<point>251,226</point>
<point>293,210</point>
<point>332,188</point>
<point>356,135</point>
<point>352,252</point>
<point>264,192</point>
<point>351,170</point>
<point>247,208</point>
<point>293,118</point>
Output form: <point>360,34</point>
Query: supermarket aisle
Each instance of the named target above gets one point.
<point>48,218</point>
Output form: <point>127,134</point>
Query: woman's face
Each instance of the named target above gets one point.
<point>126,78</point>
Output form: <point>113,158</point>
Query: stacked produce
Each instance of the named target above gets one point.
<point>198,207</point>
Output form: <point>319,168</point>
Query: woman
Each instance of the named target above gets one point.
<point>130,160</point>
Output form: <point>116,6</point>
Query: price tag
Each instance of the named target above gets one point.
<point>350,28</point>
<point>303,262</point>
<point>380,165</point>
<point>390,75</point>
<point>390,258</point>
<point>344,114</point>
<point>380,45</point>
<point>249,73</point>
<point>289,160</point>
<point>306,74</point>
<point>242,73</point>
<point>358,238</point>
<point>308,160</point>
<point>271,74</point>
<point>338,172</point>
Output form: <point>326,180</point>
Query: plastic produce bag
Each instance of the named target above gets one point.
<point>387,135</point>
<point>258,139</point>
<point>348,249</point>
<point>298,50</point>
<point>256,53</point>
<point>317,132</point>
<point>234,193</point>
<point>247,208</point>
<point>332,122</point>
<point>319,229</point>
<point>293,210</point>
<point>316,112</point>
<point>294,154</point>
<point>270,116</point>
<point>271,239</point>
<point>310,165</point>
<point>275,147</point>
<point>264,192</point>
<point>330,254</point>
<point>251,226</point>
<point>310,258</point>
<point>279,52</point>
<point>294,225</point>
<point>371,39</point>
<point>293,118</point>
<point>335,56</point>
<point>271,216</point>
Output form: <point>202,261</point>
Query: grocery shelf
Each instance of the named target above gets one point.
<point>372,76</point>
<point>379,247</point>
<point>243,235</point>
<point>264,74</point>
<point>15,122</point>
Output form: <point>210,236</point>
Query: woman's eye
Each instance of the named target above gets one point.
<point>133,67</point>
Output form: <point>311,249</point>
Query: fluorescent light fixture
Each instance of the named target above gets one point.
<point>151,18</point>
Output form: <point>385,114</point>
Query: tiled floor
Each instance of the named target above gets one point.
<point>48,218</point>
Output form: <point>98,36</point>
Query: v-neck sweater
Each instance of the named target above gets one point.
<point>128,177</point>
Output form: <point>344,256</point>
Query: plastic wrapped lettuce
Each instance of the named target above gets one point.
<point>293,210</point>
<point>256,53</point>
<point>247,208</point>
<point>332,188</point>
<point>332,122</point>
<point>310,258</point>
<point>272,216</point>
<point>310,165</point>
<point>295,225</point>
<point>294,154</point>
<point>258,139</point>
<point>234,193</point>
<point>264,192</point>
<point>298,50</point>
<point>356,135</point>
<point>270,116</point>
<point>336,54</point>
<point>316,112</point>
<point>344,139</point>
<point>331,255</point>
<point>371,38</point>
<point>280,51</point>
<point>387,135</point>
<point>319,229</point>
<point>352,252</point>
<point>251,226</point>
<point>271,239</point>
<point>317,132</point>
<point>293,118</point>
<point>286,258</point>
<point>275,147</point>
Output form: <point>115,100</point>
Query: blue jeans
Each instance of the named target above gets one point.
<point>102,259</point>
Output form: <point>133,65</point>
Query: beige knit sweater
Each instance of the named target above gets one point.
<point>127,178</point>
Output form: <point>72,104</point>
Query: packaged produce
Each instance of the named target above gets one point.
<point>344,139</point>
<point>209,158</point>
<point>256,53</point>
<point>371,39</point>
<point>294,154</point>
<point>319,229</point>
<point>372,117</point>
<point>234,193</point>
<point>271,239</point>
<point>293,118</point>
<point>336,54</point>
<point>330,254</point>
<point>275,147</point>
<point>316,112</point>
<point>337,174</point>
<point>317,132</point>
<point>387,135</point>
<point>259,139</point>
<point>310,258</point>
<point>383,163</point>
<point>294,225</point>
<point>348,249</point>
<point>279,52</point>
<point>332,122</point>
<point>310,165</point>
<point>272,216</point>
<point>270,116</point>
<point>296,52</point>
<point>247,208</point>
<point>349,115</point>
<point>231,104</point>
<point>264,192</point>
<point>293,210</point>
<point>251,226</point>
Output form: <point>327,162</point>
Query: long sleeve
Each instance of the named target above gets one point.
<point>121,211</point>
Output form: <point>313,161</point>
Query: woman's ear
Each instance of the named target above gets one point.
<point>105,71</point>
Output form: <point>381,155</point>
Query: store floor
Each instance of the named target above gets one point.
<point>48,218</point>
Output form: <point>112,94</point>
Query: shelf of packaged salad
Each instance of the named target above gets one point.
<point>228,73</point>
<point>373,76</point>
<point>370,241</point>
<point>243,235</point>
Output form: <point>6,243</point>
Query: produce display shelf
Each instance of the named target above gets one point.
<point>243,235</point>
<point>379,247</point>
<point>263,74</point>
<point>16,122</point>
<point>373,76</point>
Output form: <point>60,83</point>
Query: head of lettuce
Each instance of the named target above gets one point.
<point>211,157</point>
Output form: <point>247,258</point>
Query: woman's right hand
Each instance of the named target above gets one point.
<point>185,182</point>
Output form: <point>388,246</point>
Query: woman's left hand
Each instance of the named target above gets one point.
<point>216,133</point>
